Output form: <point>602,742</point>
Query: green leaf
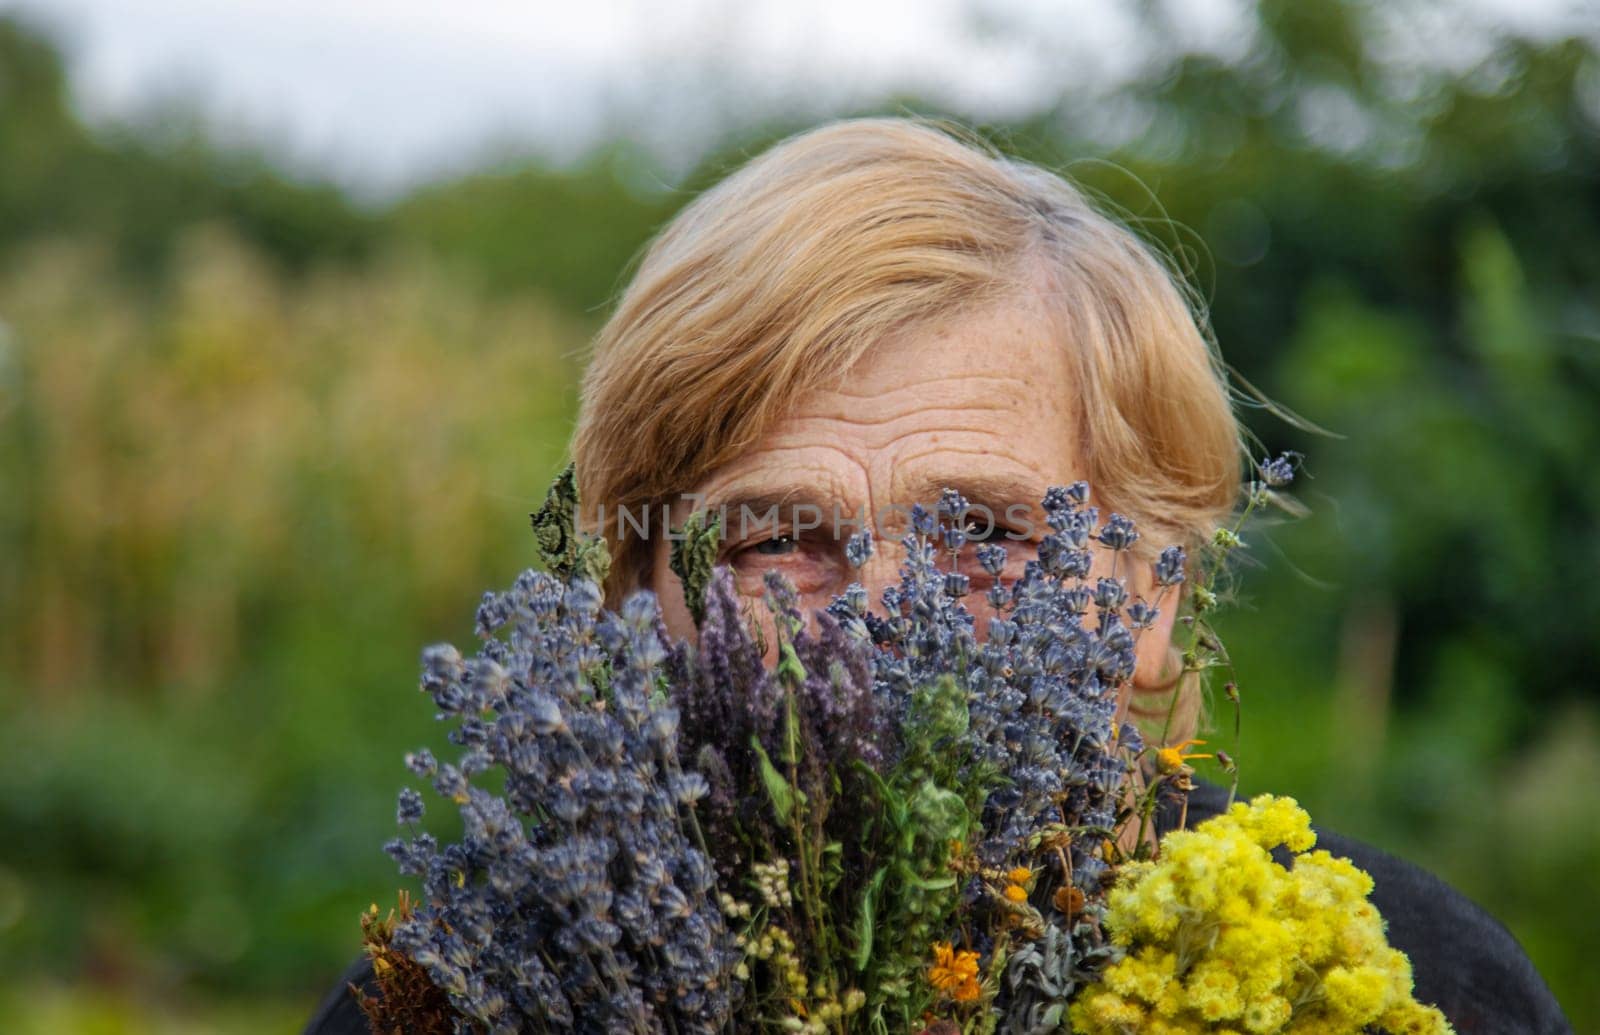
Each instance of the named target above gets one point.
<point>832,865</point>
<point>910,878</point>
<point>790,671</point>
<point>866,923</point>
<point>784,797</point>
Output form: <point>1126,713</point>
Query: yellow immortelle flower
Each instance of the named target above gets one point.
<point>1019,875</point>
<point>1219,937</point>
<point>955,972</point>
<point>1016,893</point>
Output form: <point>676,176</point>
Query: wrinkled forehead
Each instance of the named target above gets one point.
<point>984,403</point>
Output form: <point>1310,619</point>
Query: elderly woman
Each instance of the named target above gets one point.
<point>878,309</point>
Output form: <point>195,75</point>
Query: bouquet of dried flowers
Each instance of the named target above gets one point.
<point>902,826</point>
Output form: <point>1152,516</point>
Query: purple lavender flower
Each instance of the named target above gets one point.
<point>858,548</point>
<point>730,701</point>
<point>1118,533</point>
<point>580,899</point>
<point>1170,565</point>
<point>1279,471</point>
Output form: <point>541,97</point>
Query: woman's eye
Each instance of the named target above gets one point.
<point>993,551</point>
<point>812,566</point>
<point>984,532</point>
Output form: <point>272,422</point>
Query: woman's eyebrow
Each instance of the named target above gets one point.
<point>747,511</point>
<point>994,491</point>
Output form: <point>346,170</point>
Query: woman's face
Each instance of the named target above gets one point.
<point>983,404</point>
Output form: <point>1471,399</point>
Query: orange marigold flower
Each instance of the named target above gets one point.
<point>1016,893</point>
<point>955,972</point>
<point>1019,875</point>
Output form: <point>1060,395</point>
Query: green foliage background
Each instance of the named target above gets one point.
<point>259,444</point>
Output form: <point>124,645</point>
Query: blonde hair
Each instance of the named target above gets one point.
<point>775,281</point>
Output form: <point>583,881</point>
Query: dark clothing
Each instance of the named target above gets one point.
<point>1463,960</point>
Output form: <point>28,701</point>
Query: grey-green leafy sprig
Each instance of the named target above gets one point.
<point>692,558</point>
<point>564,550</point>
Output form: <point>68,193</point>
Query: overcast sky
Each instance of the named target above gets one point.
<point>385,93</point>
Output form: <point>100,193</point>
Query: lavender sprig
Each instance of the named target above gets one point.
<point>580,900</point>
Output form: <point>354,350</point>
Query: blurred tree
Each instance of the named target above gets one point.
<point>137,187</point>
<point>569,235</point>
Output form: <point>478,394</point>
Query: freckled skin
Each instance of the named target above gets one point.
<point>990,393</point>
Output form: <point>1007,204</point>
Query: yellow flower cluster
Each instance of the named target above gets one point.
<point>1220,938</point>
<point>1016,890</point>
